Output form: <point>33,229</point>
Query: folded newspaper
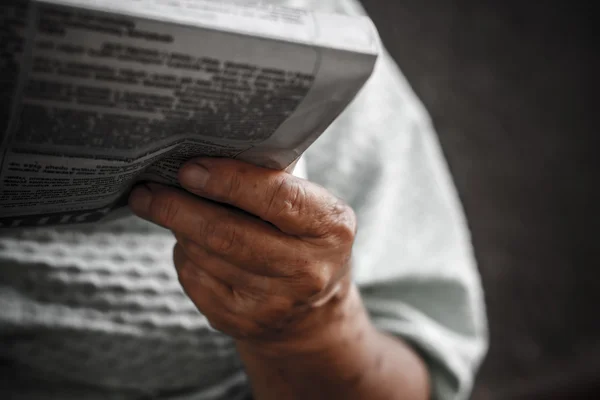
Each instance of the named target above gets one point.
<point>97,95</point>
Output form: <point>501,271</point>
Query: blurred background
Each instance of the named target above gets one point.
<point>509,86</point>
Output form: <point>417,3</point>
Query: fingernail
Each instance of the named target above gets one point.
<point>194,176</point>
<point>140,199</point>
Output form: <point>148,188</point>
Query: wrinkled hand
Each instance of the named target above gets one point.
<point>258,251</point>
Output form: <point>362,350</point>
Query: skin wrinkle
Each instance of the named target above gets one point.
<point>223,237</point>
<point>270,317</point>
<point>164,208</point>
<point>267,234</point>
<point>277,192</point>
<point>233,187</point>
<point>268,264</point>
<point>279,189</point>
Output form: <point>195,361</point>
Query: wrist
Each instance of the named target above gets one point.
<point>325,330</point>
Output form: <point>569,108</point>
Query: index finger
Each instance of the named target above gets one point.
<point>293,205</point>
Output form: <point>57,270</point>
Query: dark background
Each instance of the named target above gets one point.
<point>509,87</point>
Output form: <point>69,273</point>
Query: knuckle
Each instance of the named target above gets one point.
<point>278,309</point>
<point>164,209</point>
<point>222,237</point>
<point>287,197</point>
<point>232,187</point>
<point>343,223</point>
<point>192,249</point>
<point>317,279</point>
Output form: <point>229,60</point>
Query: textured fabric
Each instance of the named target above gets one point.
<point>96,311</point>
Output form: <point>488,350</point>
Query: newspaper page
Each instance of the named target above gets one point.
<point>98,95</point>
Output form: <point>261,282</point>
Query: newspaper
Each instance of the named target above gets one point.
<point>98,95</point>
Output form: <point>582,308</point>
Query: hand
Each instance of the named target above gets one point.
<point>265,256</point>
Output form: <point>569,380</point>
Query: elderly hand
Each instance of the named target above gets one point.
<point>265,256</point>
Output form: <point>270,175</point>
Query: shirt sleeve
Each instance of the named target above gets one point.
<point>413,257</point>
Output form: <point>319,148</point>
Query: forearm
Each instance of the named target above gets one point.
<point>349,360</point>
